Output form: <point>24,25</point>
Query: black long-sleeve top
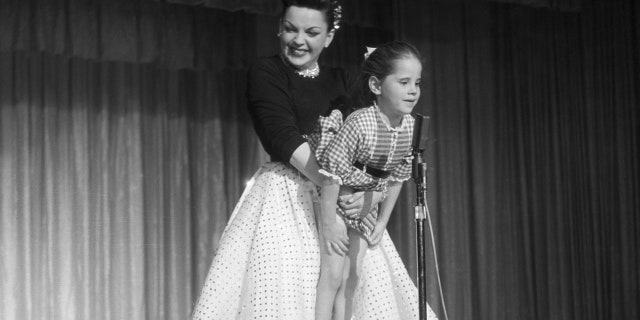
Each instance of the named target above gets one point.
<point>284,105</point>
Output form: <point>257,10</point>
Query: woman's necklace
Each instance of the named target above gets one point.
<point>310,72</point>
<point>306,73</point>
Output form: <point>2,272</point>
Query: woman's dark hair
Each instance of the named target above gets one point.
<point>380,64</point>
<point>331,9</point>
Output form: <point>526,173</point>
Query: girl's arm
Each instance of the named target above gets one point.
<point>384,213</point>
<point>333,231</point>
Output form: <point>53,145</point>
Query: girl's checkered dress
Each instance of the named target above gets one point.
<point>364,138</point>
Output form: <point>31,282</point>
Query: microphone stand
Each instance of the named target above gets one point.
<point>419,175</point>
<point>421,211</point>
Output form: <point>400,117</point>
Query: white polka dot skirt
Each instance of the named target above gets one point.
<point>385,290</point>
<point>268,261</point>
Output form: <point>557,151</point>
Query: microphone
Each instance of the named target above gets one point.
<point>420,126</point>
<point>418,144</point>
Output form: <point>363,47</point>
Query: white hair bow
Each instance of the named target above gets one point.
<point>370,50</point>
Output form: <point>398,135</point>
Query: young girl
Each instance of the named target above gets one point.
<point>370,151</point>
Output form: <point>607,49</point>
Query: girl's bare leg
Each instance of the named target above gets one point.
<point>353,267</point>
<point>331,277</point>
<point>339,302</point>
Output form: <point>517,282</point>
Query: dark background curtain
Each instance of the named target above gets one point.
<point>124,145</point>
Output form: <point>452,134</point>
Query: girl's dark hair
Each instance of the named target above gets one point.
<point>380,64</point>
<point>331,9</point>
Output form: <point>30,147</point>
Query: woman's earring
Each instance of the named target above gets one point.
<point>279,34</point>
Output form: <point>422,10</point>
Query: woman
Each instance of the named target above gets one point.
<point>268,262</point>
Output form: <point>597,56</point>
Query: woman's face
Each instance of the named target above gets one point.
<point>304,33</point>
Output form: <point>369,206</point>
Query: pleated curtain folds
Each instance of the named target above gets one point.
<point>125,144</point>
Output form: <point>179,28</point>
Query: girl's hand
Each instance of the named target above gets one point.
<point>357,204</point>
<point>335,238</point>
<point>376,235</point>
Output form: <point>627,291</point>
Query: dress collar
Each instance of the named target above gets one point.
<point>385,120</point>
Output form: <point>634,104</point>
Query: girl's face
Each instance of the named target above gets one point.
<point>399,91</point>
<point>304,33</point>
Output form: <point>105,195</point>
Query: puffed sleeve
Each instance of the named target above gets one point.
<point>337,160</point>
<point>325,130</point>
<point>271,110</point>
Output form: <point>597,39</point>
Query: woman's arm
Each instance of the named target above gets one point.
<point>272,110</point>
<point>304,160</point>
<point>358,204</point>
<point>353,203</point>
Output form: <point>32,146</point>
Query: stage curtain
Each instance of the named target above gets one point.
<point>116,181</point>
<point>364,13</point>
<point>534,177</point>
<point>124,146</point>
<point>141,31</point>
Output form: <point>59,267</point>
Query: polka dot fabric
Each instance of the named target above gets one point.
<point>268,262</point>
<point>385,291</point>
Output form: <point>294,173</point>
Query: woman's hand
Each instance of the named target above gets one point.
<point>335,238</point>
<point>357,204</point>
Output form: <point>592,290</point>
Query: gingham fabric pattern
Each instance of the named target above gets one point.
<point>323,133</point>
<point>366,138</point>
